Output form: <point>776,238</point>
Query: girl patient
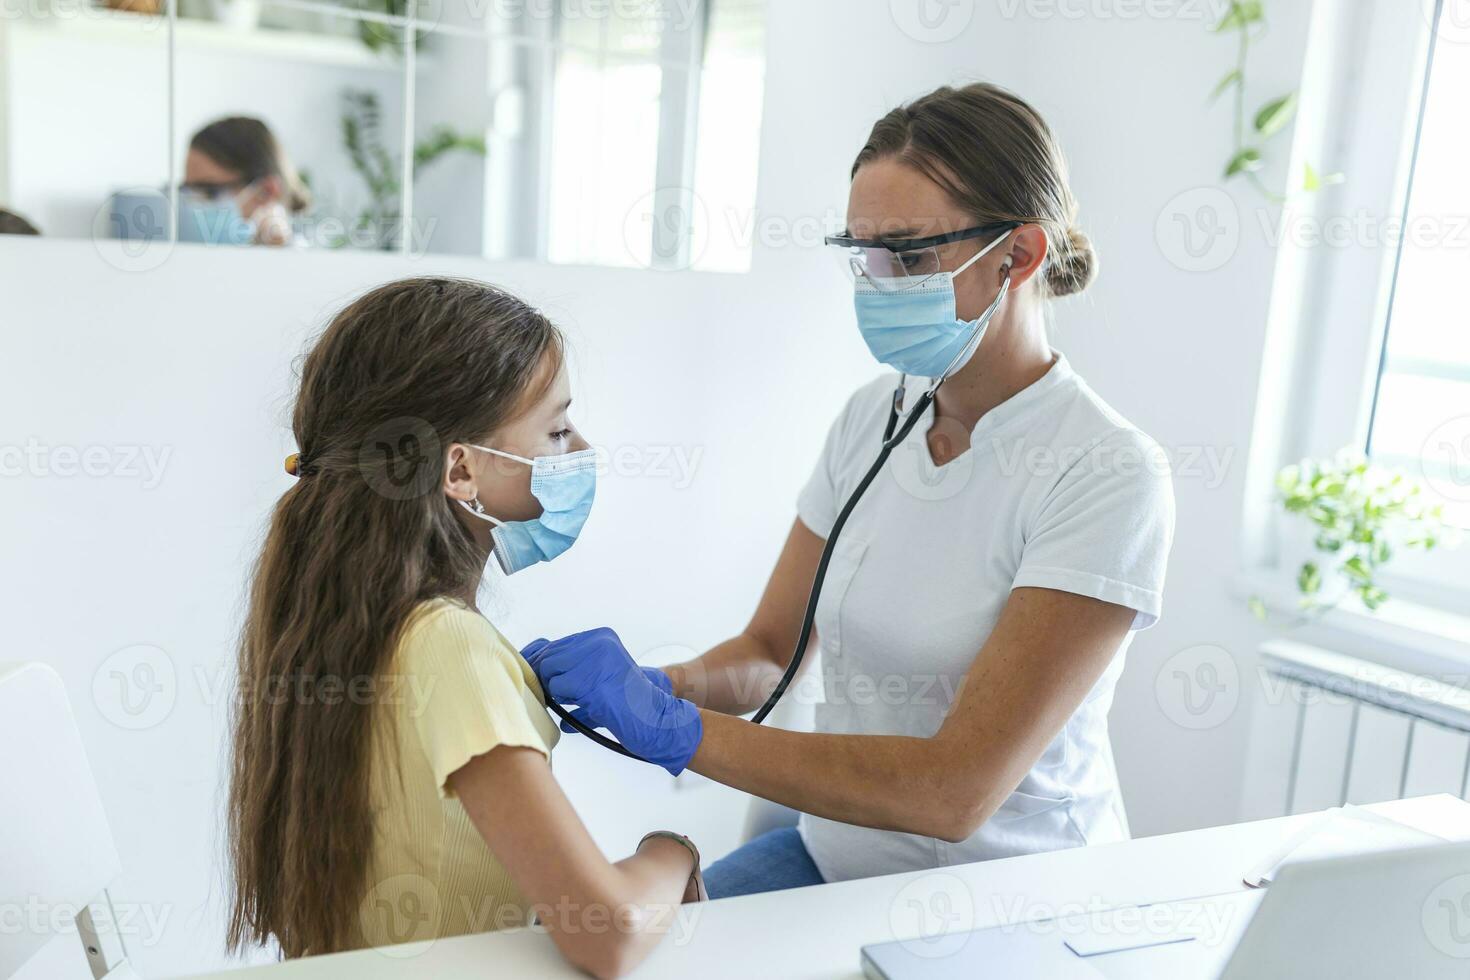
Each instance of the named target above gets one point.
<point>391,777</point>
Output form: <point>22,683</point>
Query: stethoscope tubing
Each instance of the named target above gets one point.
<point>891,440</point>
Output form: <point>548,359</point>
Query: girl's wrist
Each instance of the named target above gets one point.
<point>673,838</point>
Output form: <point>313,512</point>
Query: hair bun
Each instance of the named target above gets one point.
<point>1073,267</point>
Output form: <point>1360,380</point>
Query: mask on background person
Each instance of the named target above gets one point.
<point>214,221</point>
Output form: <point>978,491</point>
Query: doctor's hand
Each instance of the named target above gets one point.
<point>594,671</point>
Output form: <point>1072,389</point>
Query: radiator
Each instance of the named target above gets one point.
<point>1351,731</point>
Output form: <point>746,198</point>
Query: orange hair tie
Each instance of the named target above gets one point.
<point>293,464</point>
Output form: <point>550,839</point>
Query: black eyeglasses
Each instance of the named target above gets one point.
<point>917,244</point>
<point>210,190</point>
<point>894,264</point>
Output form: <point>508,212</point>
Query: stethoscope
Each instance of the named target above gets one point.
<point>893,436</point>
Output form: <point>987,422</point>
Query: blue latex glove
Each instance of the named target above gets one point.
<point>594,671</point>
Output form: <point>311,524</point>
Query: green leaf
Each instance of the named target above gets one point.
<point>1372,597</point>
<point>1246,161</point>
<point>1240,14</point>
<point>1274,115</point>
<point>1358,570</point>
<point>1309,579</point>
<point>1232,77</point>
<point>1257,607</point>
<point>1324,518</point>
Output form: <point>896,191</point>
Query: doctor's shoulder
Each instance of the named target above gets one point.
<point>1113,459</point>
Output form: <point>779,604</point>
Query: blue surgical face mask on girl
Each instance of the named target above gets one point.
<point>565,486</point>
<point>915,329</point>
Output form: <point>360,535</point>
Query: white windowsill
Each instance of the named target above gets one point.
<point>1401,634</point>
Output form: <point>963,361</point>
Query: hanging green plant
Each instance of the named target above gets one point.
<point>1246,20</point>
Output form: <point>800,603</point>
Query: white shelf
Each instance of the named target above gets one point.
<point>295,46</point>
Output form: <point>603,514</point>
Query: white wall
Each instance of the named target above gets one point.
<point>195,358</point>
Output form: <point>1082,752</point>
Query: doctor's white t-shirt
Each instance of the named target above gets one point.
<point>1057,491</point>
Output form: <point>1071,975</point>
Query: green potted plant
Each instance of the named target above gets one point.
<point>381,219</point>
<point>1357,518</point>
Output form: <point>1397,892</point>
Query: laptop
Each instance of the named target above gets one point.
<point>1394,914</point>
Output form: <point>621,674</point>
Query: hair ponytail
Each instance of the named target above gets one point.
<point>1073,266</point>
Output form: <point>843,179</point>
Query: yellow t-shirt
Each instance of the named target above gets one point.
<point>455,689</point>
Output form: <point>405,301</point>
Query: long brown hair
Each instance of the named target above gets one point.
<point>353,546</point>
<point>996,157</point>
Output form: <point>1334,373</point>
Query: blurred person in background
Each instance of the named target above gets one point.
<point>240,187</point>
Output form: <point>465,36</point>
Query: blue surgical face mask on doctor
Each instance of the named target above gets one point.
<point>214,221</point>
<point>565,486</point>
<point>914,328</point>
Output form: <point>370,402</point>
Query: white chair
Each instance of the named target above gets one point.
<point>56,852</point>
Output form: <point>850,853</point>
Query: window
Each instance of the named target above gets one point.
<point>1368,348</point>
<point>634,179</point>
<point>1420,419</point>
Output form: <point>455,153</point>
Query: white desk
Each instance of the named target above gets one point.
<point>817,932</point>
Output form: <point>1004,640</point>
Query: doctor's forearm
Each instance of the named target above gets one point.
<point>889,782</point>
<point>734,677</point>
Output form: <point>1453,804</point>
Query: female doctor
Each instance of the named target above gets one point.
<point>981,598</point>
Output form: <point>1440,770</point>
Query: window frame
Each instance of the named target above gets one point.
<point>1332,306</point>
<point>681,60</point>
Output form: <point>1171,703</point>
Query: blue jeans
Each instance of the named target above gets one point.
<point>774,861</point>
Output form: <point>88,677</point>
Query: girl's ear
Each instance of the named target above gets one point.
<point>459,478</point>
<point>1025,253</point>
